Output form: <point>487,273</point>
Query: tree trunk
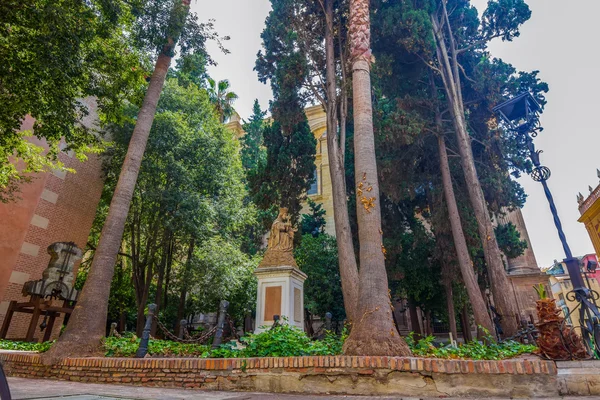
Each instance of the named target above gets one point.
<point>161,276</point>
<point>428,323</point>
<point>184,288</point>
<point>373,330</point>
<point>466,325</point>
<point>450,307</point>
<point>87,325</point>
<point>335,151</point>
<point>500,285</point>
<point>168,274</point>
<point>415,324</point>
<point>482,318</point>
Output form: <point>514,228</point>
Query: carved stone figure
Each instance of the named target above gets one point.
<point>282,232</point>
<point>281,242</point>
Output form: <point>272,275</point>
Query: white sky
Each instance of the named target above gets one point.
<point>559,41</point>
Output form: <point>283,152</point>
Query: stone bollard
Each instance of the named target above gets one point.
<point>220,323</point>
<point>328,317</point>
<point>143,349</point>
<point>113,329</point>
<point>182,327</point>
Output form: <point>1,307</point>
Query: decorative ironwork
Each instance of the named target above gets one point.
<point>540,174</point>
<point>520,116</point>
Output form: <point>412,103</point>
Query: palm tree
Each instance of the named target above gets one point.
<point>373,330</point>
<point>87,325</point>
<point>222,98</point>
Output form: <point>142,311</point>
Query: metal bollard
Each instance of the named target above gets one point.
<point>113,329</point>
<point>182,328</point>
<point>220,323</point>
<point>143,349</point>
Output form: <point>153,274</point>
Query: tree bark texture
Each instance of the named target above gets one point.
<point>450,306</point>
<point>448,65</point>
<point>373,330</point>
<point>87,325</point>
<point>335,151</point>
<point>482,318</point>
<point>466,325</point>
<point>415,323</point>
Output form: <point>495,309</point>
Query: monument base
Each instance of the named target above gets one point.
<point>280,292</point>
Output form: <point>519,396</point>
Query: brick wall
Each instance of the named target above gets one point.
<point>55,207</point>
<point>311,375</point>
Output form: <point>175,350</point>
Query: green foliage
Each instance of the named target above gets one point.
<point>24,346</point>
<point>318,257</point>
<point>222,98</point>
<point>288,172</point>
<point>509,240</point>
<point>55,53</point>
<point>474,350</point>
<point>541,291</point>
<point>127,347</point>
<point>314,222</point>
<point>222,272</point>
<point>253,152</point>
<point>190,189</point>
<point>282,341</point>
<point>282,181</point>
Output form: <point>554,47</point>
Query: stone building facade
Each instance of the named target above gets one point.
<point>524,271</point>
<point>54,207</point>
<point>589,208</point>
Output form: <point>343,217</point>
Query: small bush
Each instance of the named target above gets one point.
<point>282,341</point>
<point>24,346</point>
<point>474,350</point>
<point>127,347</point>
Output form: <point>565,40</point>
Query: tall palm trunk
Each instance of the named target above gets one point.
<point>504,298</point>
<point>373,330</point>
<point>87,325</point>
<point>482,318</point>
<point>335,151</point>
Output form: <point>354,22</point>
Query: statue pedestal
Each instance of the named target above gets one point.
<point>280,292</point>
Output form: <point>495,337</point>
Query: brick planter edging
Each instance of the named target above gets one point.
<point>315,374</point>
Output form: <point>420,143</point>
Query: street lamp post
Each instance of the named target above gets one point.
<point>520,115</point>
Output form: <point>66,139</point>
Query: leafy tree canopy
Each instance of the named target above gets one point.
<point>317,257</point>
<point>509,240</point>
<point>314,222</point>
<point>56,53</point>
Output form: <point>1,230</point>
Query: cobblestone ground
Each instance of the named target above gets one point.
<point>35,389</point>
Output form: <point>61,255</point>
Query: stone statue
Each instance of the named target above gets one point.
<point>282,232</point>
<point>281,242</point>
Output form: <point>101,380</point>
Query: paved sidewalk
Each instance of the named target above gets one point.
<point>38,389</point>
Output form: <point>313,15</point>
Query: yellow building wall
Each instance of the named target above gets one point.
<point>590,217</point>
<point>561,286</point>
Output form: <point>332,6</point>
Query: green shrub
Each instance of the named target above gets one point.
<point>24,346</point>
<point>127,347</point>
<point>474,350</point>
<point>282,341</point>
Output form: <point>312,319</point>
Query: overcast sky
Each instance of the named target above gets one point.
<point>559,40</point>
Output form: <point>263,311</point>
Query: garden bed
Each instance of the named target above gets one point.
<point>287,341</point>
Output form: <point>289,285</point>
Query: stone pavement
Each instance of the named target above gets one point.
<point>36,389</point>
